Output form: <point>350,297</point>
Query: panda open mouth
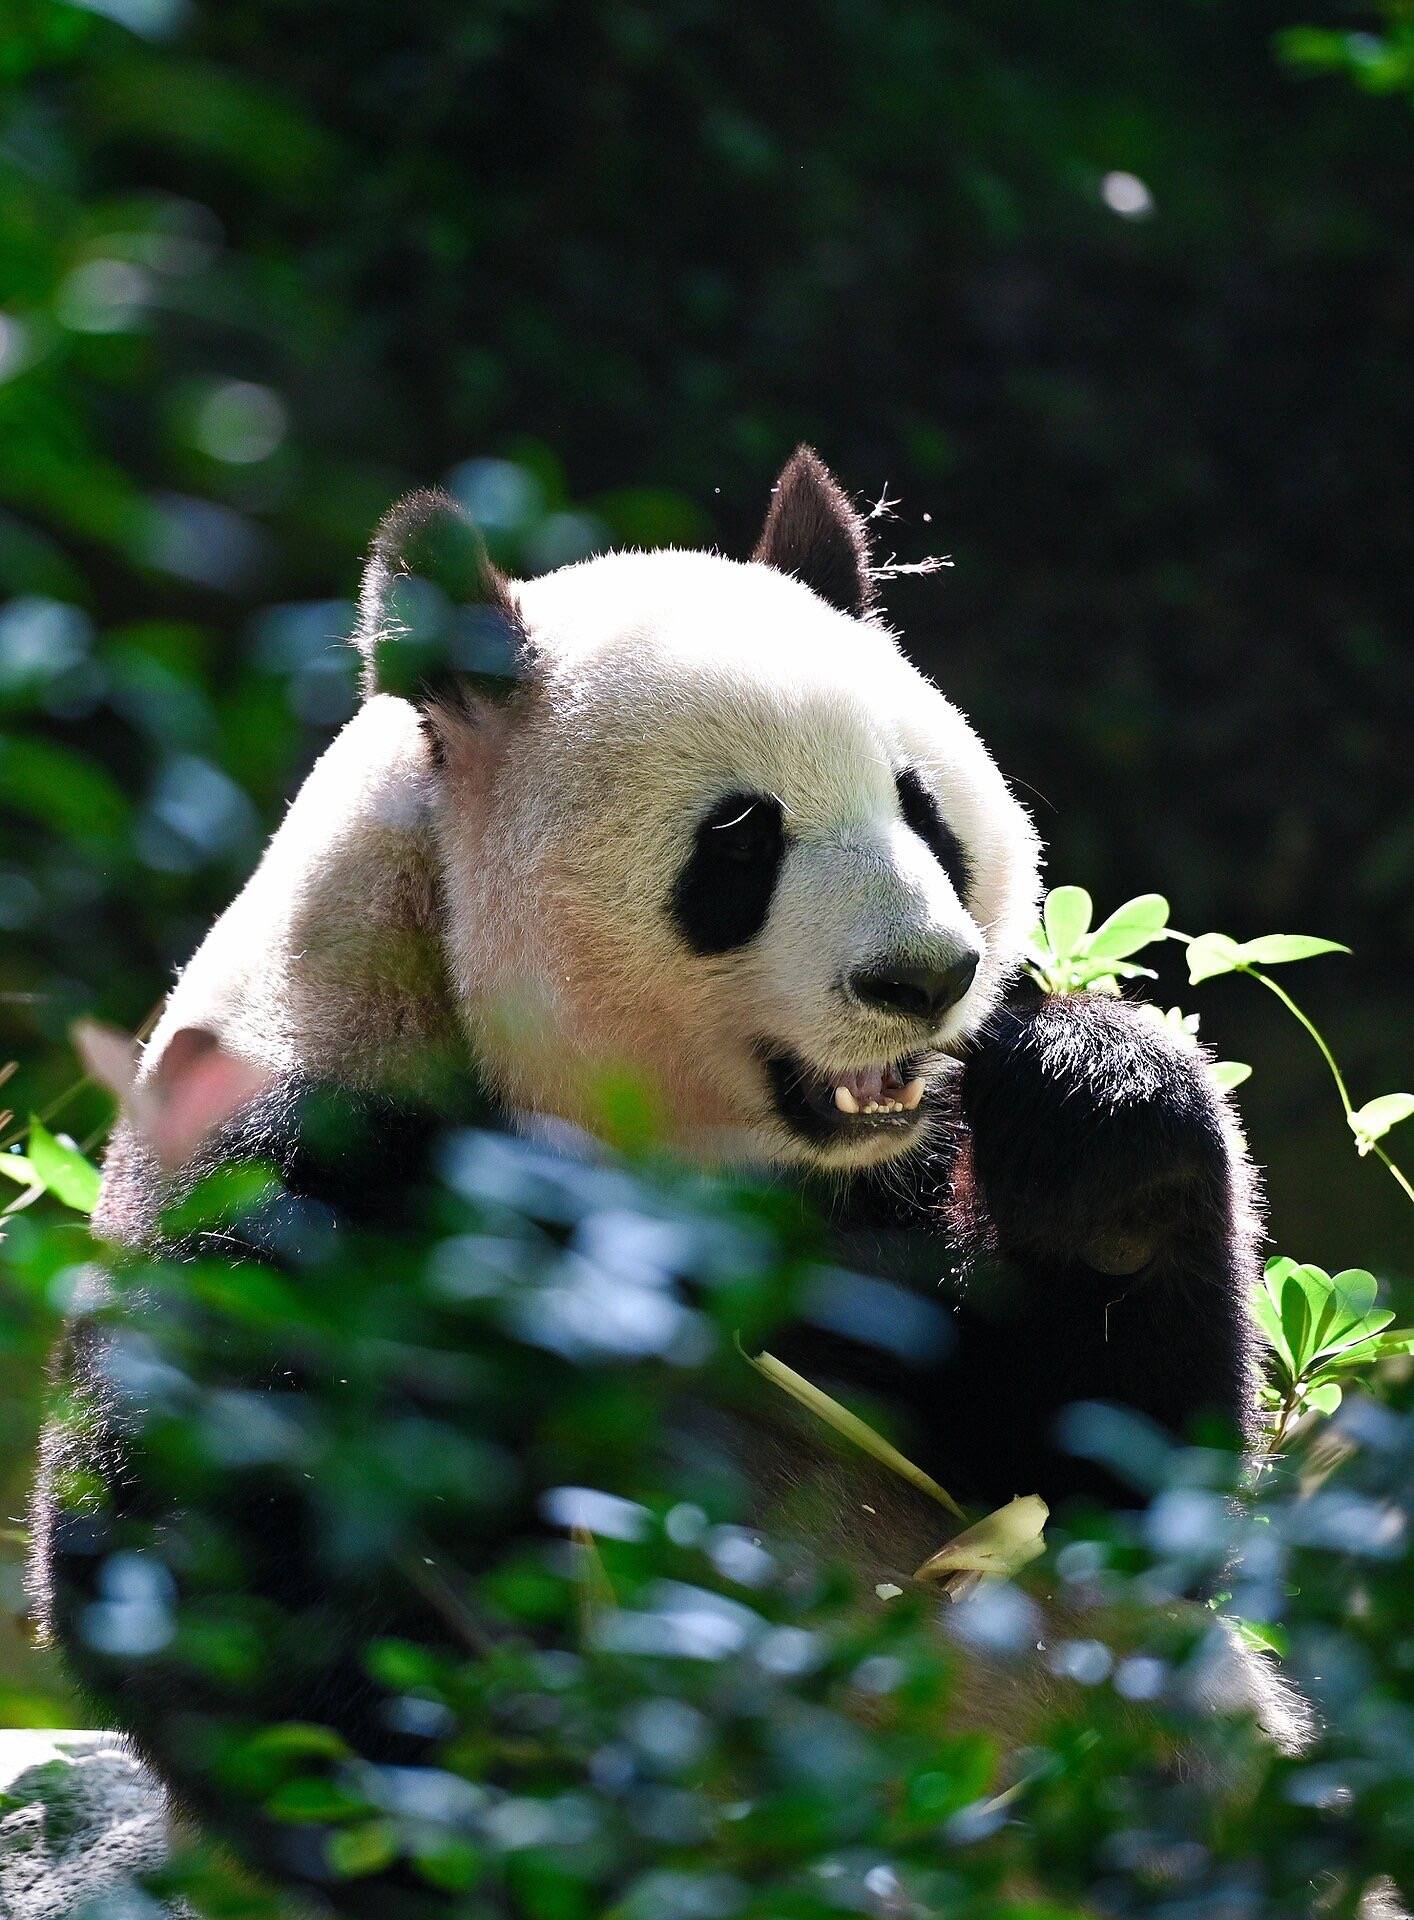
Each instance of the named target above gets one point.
<point>832,1107</point>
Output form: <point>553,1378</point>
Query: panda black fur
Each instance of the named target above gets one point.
<point>716,830</point>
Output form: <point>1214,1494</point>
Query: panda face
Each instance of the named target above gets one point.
<point>728,842</point>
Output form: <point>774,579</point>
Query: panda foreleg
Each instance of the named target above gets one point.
<point>1103,1167</point>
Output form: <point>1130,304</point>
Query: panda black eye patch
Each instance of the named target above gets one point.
<point>722,896</point>
<point>922,814</point>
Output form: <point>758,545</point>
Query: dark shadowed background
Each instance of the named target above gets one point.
<point>1114,300</point>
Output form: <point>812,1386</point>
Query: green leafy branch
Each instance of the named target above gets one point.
<point>1319,1328</point>
<point>1212,954</point>
<point>1066,956</point>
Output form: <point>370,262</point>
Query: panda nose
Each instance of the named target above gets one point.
<point>919,992</point>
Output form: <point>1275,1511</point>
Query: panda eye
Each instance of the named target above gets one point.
<point>752,831</point>
<point>922,814</point>
<point>723,894</point>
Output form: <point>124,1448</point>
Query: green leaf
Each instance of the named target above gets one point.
<point>66,792</point>
<point>1215,953</point>
<point>451,1864</point>
<point>1230,1073</point>
<point>309,1799</point>
<point>1349,1297</point>
<point>1324,1396</point>
<point>293,1739</point>
<point>366,1848</point>
<point>221,1198</point>
<point>1129,928</point>
<point>1296,1321</point>
<point>997,1547</point>
<point>19,1169</point>
<point>1266,1311</point>
<point>1401,1340</point>
<point>1345,1332</point>
<point>1358,1353</point>
<point>1275,949</point>
<point>1280,1367</point>
<point>1067,919</point>
<point>62,1169</point>
<point>1374,1120</point>
<point>1211,954</point>
<point>1267,1639</point>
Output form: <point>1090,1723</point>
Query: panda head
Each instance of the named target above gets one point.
<point>717,833</point>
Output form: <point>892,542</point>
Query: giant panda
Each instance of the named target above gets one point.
<point>701,820</point>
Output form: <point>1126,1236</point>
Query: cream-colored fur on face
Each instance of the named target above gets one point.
<point>532,870</point>
<point>662,682</point>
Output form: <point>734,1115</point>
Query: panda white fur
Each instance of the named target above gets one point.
<point>718,832</point>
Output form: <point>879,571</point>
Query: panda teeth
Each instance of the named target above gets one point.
<point>855,1099</point>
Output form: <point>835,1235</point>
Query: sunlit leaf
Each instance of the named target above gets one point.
<point>1230,1073</point>
<point>1296,1320</point>
<point>1275,949</point>
<point>1211,954</point>
<point>995,1548</point>
<point>1129,928</point>
<point>1361,1352</point>
<point>1324,1396</point>
<point>1349,1297</point>
<point>63,1170</point>
<point>1374,1120</point>
<point>1067,919</point>
<point>1266,1638</point>
<point>1266,1311</point>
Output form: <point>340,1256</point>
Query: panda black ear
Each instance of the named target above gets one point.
<point>437,622</point>
<point>815,532</point>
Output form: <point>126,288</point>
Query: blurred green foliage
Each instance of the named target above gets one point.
<point>1115,299</point>
<point>613,1696</point>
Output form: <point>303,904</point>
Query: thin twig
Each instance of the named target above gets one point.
<point>893,567</point>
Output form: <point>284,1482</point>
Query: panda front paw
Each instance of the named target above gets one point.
<point>1094,1136</point>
